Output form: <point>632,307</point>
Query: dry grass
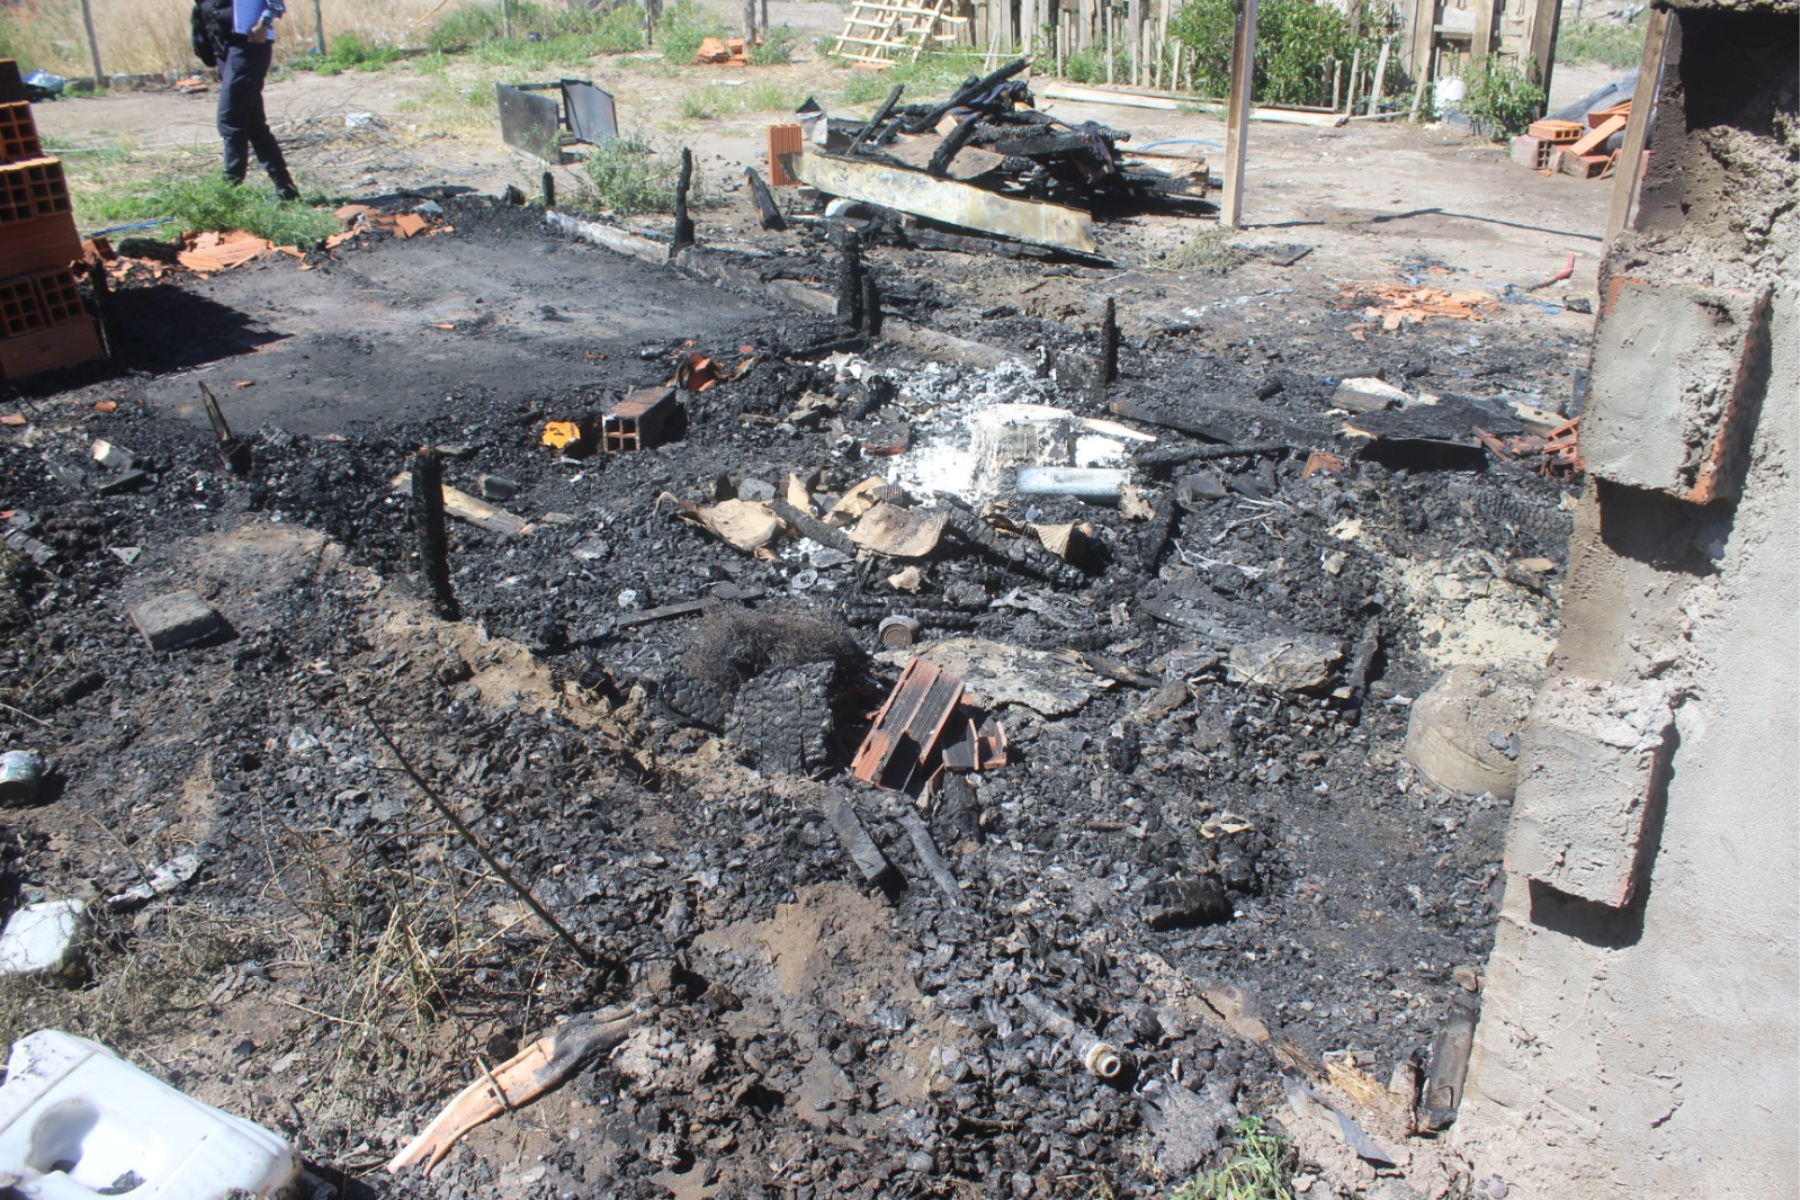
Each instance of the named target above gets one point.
<point>143,36</point>
<point>140,983</point>
<point>1209,252</point>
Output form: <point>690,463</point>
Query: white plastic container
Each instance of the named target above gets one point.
<point>1448,94</point>
<point>77,1122</point>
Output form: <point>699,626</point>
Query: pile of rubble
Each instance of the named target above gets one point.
<point>839,774</point>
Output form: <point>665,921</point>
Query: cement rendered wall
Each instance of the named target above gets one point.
<point>1641,1037</point>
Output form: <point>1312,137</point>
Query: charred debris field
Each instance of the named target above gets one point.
<point>1193,840</point>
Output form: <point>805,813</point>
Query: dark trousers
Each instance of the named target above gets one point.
<point>242,123</point>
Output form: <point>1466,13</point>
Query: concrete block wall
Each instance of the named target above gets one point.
<point>1640,1032</point>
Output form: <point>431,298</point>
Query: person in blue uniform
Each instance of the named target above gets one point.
<point>240,34</point>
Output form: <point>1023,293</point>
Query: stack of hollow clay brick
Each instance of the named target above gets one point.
<point>43,322</point>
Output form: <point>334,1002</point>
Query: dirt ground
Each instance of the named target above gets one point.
<point>674,789</point>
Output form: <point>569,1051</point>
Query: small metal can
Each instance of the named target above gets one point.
<point>21,771</point>
<point>898,632</point>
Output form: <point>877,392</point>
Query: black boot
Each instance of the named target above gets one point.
<point>285,188</point>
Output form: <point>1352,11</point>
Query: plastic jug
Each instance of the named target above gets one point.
<point>77,1122</point>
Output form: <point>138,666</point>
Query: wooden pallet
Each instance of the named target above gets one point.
<point>883,32</point>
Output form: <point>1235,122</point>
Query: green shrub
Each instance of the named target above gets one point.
<point>461,28</point>
<point>682,28</point>
<point>562,31</point>
<point>620,31</point>
<point>1605,42</point>
<point>1502,97</point>
<point>1296,43</point>
<point>627,176</point>
<point>348,51</point>
<point>1089,66</point>
<point>776,48</point>
<point>207,203</point>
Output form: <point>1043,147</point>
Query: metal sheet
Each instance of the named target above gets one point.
<point>945,200</point>
<point>529,123</point>
<point>592,117</point>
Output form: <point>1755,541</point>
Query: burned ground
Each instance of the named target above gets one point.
<point>343,962</point>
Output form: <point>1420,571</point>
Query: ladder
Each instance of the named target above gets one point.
<point>880,32</point>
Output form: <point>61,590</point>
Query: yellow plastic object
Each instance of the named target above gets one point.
<point>561,434</point>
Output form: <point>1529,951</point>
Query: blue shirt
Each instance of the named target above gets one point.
<point>246,13</point>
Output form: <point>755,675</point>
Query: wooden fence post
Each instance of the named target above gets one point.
<point>1237,116</point>
<point>87,17</point>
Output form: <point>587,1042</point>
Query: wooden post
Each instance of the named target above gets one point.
<point>1355,66</point>
<point>1134,39</point>
<point>1337,82</point>
<point>1380,77</point>
<point>749,24</point>
<point>1424,37</point>
<point>318,29</point>
<point>506,20</point>
<point>1107,6</point>
<point>1418,95</point>
<point>87,17</point>
<point>1109,343</point>
<point>1637,129</point>
<point>1163,57</point>
<point>1237,116</point>
<point>428,522</point>
<point>109,336</point>
<point>684,224</point>
<point>1546,16</point>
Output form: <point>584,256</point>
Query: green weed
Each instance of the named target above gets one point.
<point>207,202</point>
<point>627,176</point>
<point>776,48</point>
<point>620,31</point>
<point>710,102</point>
<point>529,55</point>
<point>1259,1168</point>
<point>13,43</point>
<point>1502,97</point>
<point>682,28</point>
<point>348,51</point>
<point>769,97</point>
<point>539,34</point>
<point>1600,41</point>
<point>930,77</point>
<point>936,74</point>
<point>864,87</point>
<point>1089,66</point>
